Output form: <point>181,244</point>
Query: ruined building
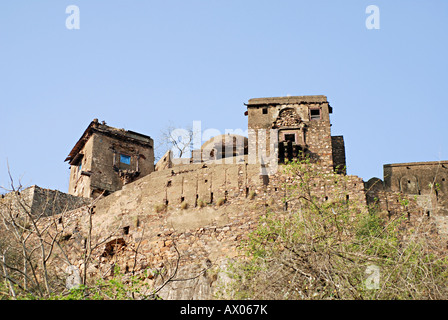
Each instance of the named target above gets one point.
<point>425,183</point>
<point>221,147</point>
<point>280,129</point>
<point>40,201</point>
<point>205,206</point>
<point>301,126</point>
<point>106,158</point>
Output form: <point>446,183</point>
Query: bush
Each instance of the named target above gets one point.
<point>184,205</point>
<point>201,203</point>
<point>335,250</point>
<point>159,207</point>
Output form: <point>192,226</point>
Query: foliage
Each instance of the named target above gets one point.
<point>119,287</point>
<point>184,205</point>
<point>220,202</point>
<point>252,195</point>
<point>159,207</point>
<point>336,249</point>
<point>201,203</point>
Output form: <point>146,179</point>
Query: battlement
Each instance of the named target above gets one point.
<point>287,100</point>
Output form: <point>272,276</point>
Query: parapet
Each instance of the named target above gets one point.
<point>287,100</point>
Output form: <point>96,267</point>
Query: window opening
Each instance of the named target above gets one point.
<point>315,114</point>
<point>290,137</point>
<point>125,159</point>
<point>126,230</point>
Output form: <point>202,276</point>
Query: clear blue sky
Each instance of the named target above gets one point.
<point>140,65</point>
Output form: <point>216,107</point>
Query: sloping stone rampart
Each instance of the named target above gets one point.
<point>206,237</point>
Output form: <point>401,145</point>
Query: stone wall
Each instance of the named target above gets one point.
<point>95,160</point>
<point>428,179</point>
<point>338,149</point>
<point>79,184</point>
<point>266,114</point>
<point>150,228</point>
<point>416,189</point>
<point>40,201</point>
<point>196,216</point>
<point>17,201</point>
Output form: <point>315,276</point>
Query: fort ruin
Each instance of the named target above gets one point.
<point>205,205</point>
<point>106,158</point>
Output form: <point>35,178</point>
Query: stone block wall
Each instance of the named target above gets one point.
<point>338,150</point>
<point>204,238</point>
<point>390,202</point>
<point>95,160</point>
<point>267,121</point>
<point>421,179</point>
<point>41,201</point>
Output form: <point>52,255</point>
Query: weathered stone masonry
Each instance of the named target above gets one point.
<point>303,128</point>
<point>204,236</point>
<point>40,201</point>
<point>205,208</point>
<point>106,158</point>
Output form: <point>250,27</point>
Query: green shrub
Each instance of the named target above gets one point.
<point>330,250</point>
<point>201,203</point>
<point>159,207</point>
<point>220,202</point>
<point>184,205</point>
<point>252,195</point>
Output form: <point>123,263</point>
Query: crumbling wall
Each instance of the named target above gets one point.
<point>79,184</point>
<point>416,205</point>
<point>96,166</point>
<point>338,150</point>
<point>150,229</point>
<point>17,201</point>
<point>53,202</point>
<point>41,201</point>
<point>264,114</point>
<point>422,179</point>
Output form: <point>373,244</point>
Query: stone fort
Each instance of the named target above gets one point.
<point>204,206</point>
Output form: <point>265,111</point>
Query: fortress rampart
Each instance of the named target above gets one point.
<point>197,211</point>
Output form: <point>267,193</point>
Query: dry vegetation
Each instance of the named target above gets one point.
<point>320,250</point>
<point>338,250</point>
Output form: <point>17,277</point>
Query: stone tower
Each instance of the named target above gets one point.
<point>106,158</point>
<point>300,125</point>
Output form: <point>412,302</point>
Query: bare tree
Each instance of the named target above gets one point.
<point>172,276</point>
<point>32,244</point>
<point>177,139</point>
<point>28,241</point>
<point>34,247</point>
